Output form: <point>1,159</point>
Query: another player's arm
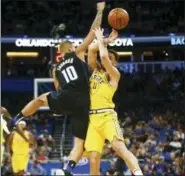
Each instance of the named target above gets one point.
<point>21,132</point>
<point>9,142</point>
<point>5,112</point>
<point>56,83</point>
<point>80,51</point>
<point>5,128</point>
<point>111,70</point>
<point>94,47</point>
<point>92,55</point>
<point>33,141</point>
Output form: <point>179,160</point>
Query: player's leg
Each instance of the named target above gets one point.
<point>25,161</point>
<point>113,133</point>
<point>131,161</point>
<point>16,165</point>
<point>94,144</point>
<point>79,130</point>
<point>94,159</point>
<point>75,154</point>
<point>32,107</point>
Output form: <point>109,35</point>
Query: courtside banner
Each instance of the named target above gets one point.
<point>122,41</point>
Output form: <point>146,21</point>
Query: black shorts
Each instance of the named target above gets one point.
<point>74,104</point>
<point>79,125</point>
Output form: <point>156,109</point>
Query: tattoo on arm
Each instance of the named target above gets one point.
<point>98,20</point>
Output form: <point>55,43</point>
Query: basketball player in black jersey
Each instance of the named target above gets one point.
<point>71,80</point>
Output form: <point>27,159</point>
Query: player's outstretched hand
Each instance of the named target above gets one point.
<point>113,36</point>
<point>99,34</point>
<point>100,5</point>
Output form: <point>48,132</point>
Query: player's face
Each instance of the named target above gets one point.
<point>112,59</point>
<point>22,126</point>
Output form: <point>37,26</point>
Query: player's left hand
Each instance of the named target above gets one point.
<point>99,34</point>
<point>113,36</point>
<point>100,6</point>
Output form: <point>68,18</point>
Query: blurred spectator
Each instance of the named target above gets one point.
<point>6,168</point>
<point>45,137</point>
<point>175,143</point>
<point>37,169</point>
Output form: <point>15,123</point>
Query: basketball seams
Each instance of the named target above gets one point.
<point>118,18</point>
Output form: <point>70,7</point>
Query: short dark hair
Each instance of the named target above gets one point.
<point>63,45</point>
<point>115,54</point>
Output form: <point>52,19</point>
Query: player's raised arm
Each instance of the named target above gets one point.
<point>94,47</point>
<point>20,131</point>
<point>80,51</point>
<point>111,70</point>
<point>56,83</point>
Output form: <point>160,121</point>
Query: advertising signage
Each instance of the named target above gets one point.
<point>120,42</point>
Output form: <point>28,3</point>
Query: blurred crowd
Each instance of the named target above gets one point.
<point>158,144</point>
<point>145,93</point>
<point>22,69</point>
<point>58,18</point>
<point>42,127</point>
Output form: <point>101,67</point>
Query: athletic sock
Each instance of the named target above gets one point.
<point>70,166</point>
<point>18,118</point>
<point>137,172</point>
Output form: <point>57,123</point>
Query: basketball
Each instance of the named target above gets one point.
<point>118,18</point>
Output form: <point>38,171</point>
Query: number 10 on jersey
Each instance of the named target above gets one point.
<point>70,74</point>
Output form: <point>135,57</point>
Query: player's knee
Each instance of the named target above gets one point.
<point>41,100</point>
<point>94,158</point>
<point>93,161</point>
<point>118,145</point>
<point>79,143</point>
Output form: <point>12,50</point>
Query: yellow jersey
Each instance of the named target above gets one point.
<point>2,133</point>
<point>3,126</point>
<point>19,145</point>
<point>101,91</point>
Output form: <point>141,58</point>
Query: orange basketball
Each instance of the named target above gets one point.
<point>118,18</point>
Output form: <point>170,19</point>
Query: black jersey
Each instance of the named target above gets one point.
<point>73,74</point>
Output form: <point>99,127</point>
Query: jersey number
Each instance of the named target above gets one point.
<point>70,74</point>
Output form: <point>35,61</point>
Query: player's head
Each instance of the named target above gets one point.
<point>114,57</point>
<point>22,125</point>
<point>66,46</point>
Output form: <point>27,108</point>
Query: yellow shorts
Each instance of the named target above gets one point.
<point>102,126</point>
<point>19,162</point>
<point>2,153</point>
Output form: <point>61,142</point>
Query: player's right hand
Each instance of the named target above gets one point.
<point>99,34</point>
<point>100,5</point>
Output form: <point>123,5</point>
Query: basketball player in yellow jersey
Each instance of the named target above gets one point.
<point>103,119</point>
<point>4,116</point>
<point>18,148</point>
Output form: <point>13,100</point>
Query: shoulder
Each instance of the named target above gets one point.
<point>116,75</point>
